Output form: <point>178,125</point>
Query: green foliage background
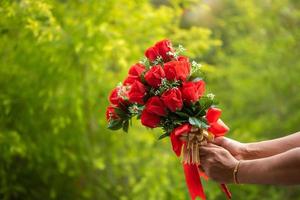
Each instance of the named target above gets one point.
<point>59,59</point>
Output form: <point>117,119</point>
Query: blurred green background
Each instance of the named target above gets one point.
<point>60,58</point>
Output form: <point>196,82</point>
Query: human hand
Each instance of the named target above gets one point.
<point>217,163</point>
<point>237,149</point>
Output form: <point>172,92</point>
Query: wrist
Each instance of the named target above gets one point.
<point>235,172</point>
<point>244,171</point>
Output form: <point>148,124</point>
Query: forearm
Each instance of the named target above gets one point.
<point>280,169</point>
<point>272,147</point>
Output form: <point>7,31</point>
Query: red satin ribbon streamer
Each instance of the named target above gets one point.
<point>193,181</point>
<point>226,191</point>
<point>191,171</point>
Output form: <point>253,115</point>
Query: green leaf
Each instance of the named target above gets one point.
<point>182,114</point>
<point>201,113</point>
<point>189,111</point>
<point>179,122</point>
<point>163,136</point>
<point>198,122</point>
<point>138,116</point>
<point>115,124</point>
<point>203,125</point>
<point>125,125</point>
<point>195,122</point>
<point>205,103</point>
<point>121,113</point>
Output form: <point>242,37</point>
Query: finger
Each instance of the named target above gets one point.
<point>218,150</point>
<point>213,146</point>
<point>208,149</point>
<point>203,157</point>
<point>219,141</point>
<point>206,164</point>
<point>206,152</point>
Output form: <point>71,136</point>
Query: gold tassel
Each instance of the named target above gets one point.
<point>194,140</point>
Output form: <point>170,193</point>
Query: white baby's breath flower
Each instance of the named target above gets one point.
<point>143,61</point>
<point>134,109</point>
<point>196,65</point>
<point>158,60</point>
<point>122,91</point>
<point>211,96</point>
<point>180,48</point>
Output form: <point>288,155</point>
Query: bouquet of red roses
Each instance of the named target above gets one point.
<point>166,90</point>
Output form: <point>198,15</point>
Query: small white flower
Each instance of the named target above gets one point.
<point>158,60</point>
<point>181,48</point>
<point>134,109</point>
<point>211,96</point>
<point>196,65</point>
<point>122,91</point>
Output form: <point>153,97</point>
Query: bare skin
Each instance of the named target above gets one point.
<point>268,162</point>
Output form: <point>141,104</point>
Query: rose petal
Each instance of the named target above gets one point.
<point>213,114</point>
<point>218,128</point>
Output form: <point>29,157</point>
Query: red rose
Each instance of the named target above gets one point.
<point>154,75</point>
<point>192,91</point>
<point>152,53</point>
<point>135,73</point>
<point>155,106</point>
<point>183,58</point>
<point>150,120</point>
<point>216,125</point>
<point>115,96</point>
<point>177,70</point>
<point>137,92</point>
<point>110,113</point>
<point>172,99</point>
<point>163,47</point>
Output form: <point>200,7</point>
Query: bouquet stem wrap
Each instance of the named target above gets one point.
<point>188,139</point>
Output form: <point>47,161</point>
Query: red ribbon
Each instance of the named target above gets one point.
<point>191,171</point>
<point>193,181</point>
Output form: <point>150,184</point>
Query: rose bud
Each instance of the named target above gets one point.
<point>134,73</point>
<point>137,92</point>
<point>163,47</point>
<point>192,91</point>
<point>216,125</point>
<point>155,106</point>
<point>172,99</point>
<point>152,53</point>
<point>115,96</point>
<point>110,113</point>
<point>177,70</point>
<point>150,120</point>
<point>183,58</point>
<point>154,75</point>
